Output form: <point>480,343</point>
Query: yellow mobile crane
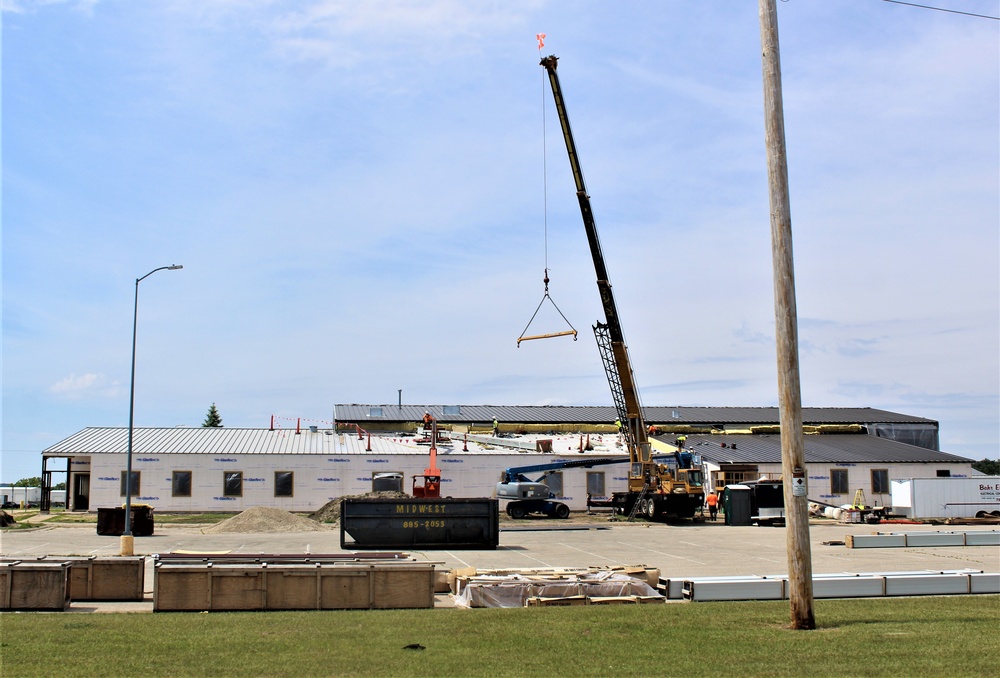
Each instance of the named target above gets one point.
<point>654,489</point>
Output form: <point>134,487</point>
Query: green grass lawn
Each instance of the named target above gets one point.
<point>934,636</point>
<point>159,518</point>
<point>62,517</point>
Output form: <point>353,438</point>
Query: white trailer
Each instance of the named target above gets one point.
<point>20,495</point>
<point>946,497</point>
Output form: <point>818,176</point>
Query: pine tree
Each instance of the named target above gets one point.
<point>212,419</point>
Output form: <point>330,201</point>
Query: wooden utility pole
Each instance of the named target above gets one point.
<point>793,463</point>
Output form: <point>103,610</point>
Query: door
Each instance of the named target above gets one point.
<point>81,492</point>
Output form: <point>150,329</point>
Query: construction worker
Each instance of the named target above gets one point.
<point>427,420</point>
<point>680,442</point>
<point>496,428</point>
<point>713,505</point>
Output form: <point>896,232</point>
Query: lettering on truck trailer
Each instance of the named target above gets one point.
<point>420,508</point>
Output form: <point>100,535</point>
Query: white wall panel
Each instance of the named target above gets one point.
<point>318,478</point>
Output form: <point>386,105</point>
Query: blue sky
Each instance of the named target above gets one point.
<point>364,196</point>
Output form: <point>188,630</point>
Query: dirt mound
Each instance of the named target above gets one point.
<point>330,511</point>
<point>260,519</point>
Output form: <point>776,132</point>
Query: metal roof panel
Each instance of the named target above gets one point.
<point>832,449</point>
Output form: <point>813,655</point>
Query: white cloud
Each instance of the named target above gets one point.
<point>89,384</point>
<point>22,6</point>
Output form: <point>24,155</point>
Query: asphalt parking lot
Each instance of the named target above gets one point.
<point>690,550</point>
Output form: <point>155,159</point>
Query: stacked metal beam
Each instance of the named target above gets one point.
<point>922,539</point>
<point>834,585</point>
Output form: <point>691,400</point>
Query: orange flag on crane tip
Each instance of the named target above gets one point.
<point>541,39</point>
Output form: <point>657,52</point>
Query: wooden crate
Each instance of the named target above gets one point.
<point>34,586</point>
<point>402,586</point>
<point>196,587</point>
<point>182,588</point>
<point>235,587</point>
<point>293,589</point>
<point>112,578</point>
<point>347,588</point>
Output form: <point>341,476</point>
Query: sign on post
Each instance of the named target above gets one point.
<point>798,483</point>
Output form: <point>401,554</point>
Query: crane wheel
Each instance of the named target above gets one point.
<point>562,511</point>
<point>650,508</point>
<point>516,512</point>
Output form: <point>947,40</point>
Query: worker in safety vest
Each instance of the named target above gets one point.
<point>680,442</point>
<point>712,500</point>
<point>427,420</point>
<point>496,428</point>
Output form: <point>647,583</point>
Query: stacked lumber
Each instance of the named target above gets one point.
<point>539,601</point>
<point>554,586</point>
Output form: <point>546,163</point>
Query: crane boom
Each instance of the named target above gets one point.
<point>653,489</point>
<point>610,338</point>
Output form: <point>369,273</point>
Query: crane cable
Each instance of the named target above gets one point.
<point>545,232</point>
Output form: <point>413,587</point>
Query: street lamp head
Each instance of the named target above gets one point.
<point>171,267</point>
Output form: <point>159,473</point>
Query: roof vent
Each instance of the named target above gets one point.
<point>675,414</point>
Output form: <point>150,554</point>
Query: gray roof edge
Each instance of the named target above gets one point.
<point>654,413</point>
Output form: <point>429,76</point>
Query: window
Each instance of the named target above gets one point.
<point>283,483</point>
<point>135,483</point>
<point>943,473</point>
<point>554,481</point>
<point>595,483</point>
<point>232,482</point>
<point>838,481</point>
<point>880,481</point>
<point>181,484</point>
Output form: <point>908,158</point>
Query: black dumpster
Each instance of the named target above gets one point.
<point>406,523</point>
<point>736,504</point>
<point>767,502</point>
<point>111,521</point>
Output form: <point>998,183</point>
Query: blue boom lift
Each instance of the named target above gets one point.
<point>533,496</point>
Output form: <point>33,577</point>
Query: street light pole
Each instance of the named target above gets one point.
<point>127,541</point>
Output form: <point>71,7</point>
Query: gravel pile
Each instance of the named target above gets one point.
<point>330,511</point>
<point>261,519</point>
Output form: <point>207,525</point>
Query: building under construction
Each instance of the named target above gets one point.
<point>363,448</point>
